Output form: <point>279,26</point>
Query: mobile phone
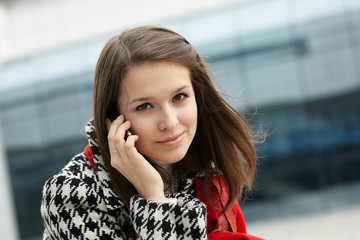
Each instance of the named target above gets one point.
<point>112,115</point>
<point>127,134</point>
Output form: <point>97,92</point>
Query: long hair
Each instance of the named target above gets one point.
<point>223,143</point>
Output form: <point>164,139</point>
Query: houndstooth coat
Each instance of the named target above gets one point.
<point>79,203</point>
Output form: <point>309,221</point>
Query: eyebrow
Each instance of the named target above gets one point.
<point>143,99</point>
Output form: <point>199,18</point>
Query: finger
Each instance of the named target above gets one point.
<point>108,124</point>
<point>130,146</point>
<point>120,133</point>
<point>112,129</point>
<point>130,142</point>
<point>118,127</point>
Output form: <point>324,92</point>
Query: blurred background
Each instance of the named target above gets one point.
<point>298,61</point>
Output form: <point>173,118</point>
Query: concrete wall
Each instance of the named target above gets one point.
<point>27,27</point>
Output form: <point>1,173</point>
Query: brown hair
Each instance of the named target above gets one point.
<point>223,142</point>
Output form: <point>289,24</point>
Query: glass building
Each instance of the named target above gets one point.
<point>297,62</point>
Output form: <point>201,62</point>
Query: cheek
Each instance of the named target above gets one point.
<point>143,131</point>
<point>191,116</point>
<point>138,125</point>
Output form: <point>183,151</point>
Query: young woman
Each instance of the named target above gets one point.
<point>167,158</point>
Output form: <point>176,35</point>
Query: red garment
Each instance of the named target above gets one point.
<point>229,226</point>
<point>89,156</point>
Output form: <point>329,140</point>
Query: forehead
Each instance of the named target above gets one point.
<point>158,77</point>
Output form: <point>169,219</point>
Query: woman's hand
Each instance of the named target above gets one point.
<point>130,163</point>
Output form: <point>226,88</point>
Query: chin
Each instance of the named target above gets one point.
<point>171,158</point>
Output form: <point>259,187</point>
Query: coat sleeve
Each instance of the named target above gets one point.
<point>70,210</point>
<point>186,219</point>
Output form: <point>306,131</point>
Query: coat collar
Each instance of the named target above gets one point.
<point>110,197</point>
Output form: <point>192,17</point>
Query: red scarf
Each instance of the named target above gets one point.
<point>230,225</point>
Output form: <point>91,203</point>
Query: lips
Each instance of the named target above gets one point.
<point>172,141</point>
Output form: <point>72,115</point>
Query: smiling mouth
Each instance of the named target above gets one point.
<point>172,141</point>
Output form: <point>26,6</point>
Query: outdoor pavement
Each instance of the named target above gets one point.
<point>338,224</point>
<point>332,214</point>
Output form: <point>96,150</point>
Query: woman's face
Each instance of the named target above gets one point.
<point>158,99</point>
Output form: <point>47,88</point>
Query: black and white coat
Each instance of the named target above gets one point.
<point>79,203</point>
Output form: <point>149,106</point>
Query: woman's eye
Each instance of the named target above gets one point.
<point>179,97</point>
<point>143,107</point>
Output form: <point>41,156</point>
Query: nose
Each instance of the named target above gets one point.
<point>168,119</point>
